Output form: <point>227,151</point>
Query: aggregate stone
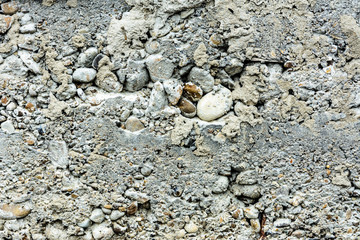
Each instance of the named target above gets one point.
<point>160,68</point>
<point>8,127</point>
<point>202,78</point>
<point>102,231</point>
<point>282,222</point>
<point>214,104</point>
<point>221,185</point>
<point>133,124</point>
<point>97,215</point>
<point>191,227</point>
<point>28,28</point>
<point>84,75</point>
<point>86,58</point>
<point>116,214</point>
<point>5,23</point>
<point>58,153</point>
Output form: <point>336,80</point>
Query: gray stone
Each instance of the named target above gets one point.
<point>102,231</point>
<point>133,124</point>
<point>341,180</point>
<point>58,153</point>
<point>221,185</point>
<point>174,90</point>
<point>248,177</point>
<point>158,99</point>
<point>85,224</point>
<point>14,65</point>
<point>250,191</point>
<point>191,227</point>
<point>116,214</point>
<point>28,28</point>
<point>84,75</point>
<point>201,78</point>
<point>29,62</point>
<point>86,58</point>
<point>282,222</point>
<point>135,76</point>
<point>97,215</point>
<point>146,170</point>
<point>159,67</point>
<point>214,104</point>
<point>8,127</point>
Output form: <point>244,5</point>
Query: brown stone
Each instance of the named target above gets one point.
<point>30,107</point>
<point>133,124</point>
<point>9,8</point>
<point>132,208</point>
<point>192,92</point>
<point>10,211</point>
<point>5,23</point>
<point>187,108</point>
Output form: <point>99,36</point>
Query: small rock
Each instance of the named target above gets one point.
<point>9,8</point>
<point>68,92</point>
<point>221,185</point>
<point>118,228</point>
<point>12,211</point>
<point>191,227</point>
<point>158,99</point>
<point>282,222</point>
<point>159,67</point>
<point>102,231</point>
<point>341,180</point>
<point>81,94</point>
<point>192,92</point>
<point>146,170</point>
<point>108,81</point>
<point>289,64</point>
<point>97,215</point>
<point>84,75</point>
<point>28,28</point>
<point>200,55</point>
<point>116,214</point>
<point>11,106</point>
<point>132,208</point>
<point>97,59</point>
<point>78,41</point>
<point>85,224</point>
<point>255,224</point>
<point>133,124</point>
<point>180,234</point>
<point>29,62</point>
<point>86,58</point>
<point>5,23</point>
<point>187,108</point>
<point>58,153</point>
<point>72,3</point>
<point>8,127</point>
<point>248,177</point>
<point>55,233</point>
<point>201,78</point>
<point>139,197</point>
<point>215,104</point>
<point>299,233</point>
<point>174,90</point>
<point>135,76</point>
<point>250,191</point>
<point>106,211</point>
<point>251,212</point>
<point>152,47</point>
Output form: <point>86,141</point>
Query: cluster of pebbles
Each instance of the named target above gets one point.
<point>179,120</point>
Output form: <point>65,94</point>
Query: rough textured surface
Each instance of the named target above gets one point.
<point>201,119</point>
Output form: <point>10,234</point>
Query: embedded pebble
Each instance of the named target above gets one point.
<point>187,108</point>
<point>8,127</point>
<point>221,185</point>
<point>9,8</point>
<point>116,214</point>
<point>192,92</point>
<point>251,212</point>
<point>160,68</point>
<point>84,75</point>
<point>13,211</point>
<point>28,28</point>
<point>86,58</point>
<point>5,23</point>
<point>214,104</point>
<point>191,227</point>
<point>282,222</point>
<point>97,215</point>
<point>174,90</point>
<point>102,231</point>
<point>201,78</point>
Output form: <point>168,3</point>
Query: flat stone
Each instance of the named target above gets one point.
<point>5,23</point>
<point>28,28</point>
<point>116,214</point>
<point>174,90</point>
<point>251,212</point>
<point>250,191</point>
<point>84,75</point>
<point>202,78</point>
<point>8,127</point>
<point>85,224</point>
<point>29,62</point>
<point>135,76</point>
<point>214,104</point>
<point>58,153</point>
<point>9,8</point>
<point>282,222</point>
<point>191,227</point>
<point>133,124</point>
<point>158,100</point>
<point>248,177</point>
<point>12,211</point>
<point>97,215</point>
